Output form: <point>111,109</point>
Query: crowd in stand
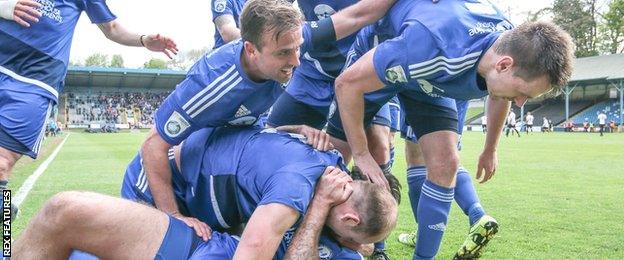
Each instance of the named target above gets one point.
<point>109,108</point>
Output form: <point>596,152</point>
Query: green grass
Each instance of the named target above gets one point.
<point>555,195</point>
<point>472,112</point>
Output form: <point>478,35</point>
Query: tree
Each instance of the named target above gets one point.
<point>97,59</point>
<point>155,63</point>
<point>613,27</point>
<point>117,61</point>
<point>186,59</point>
<point>577,17</point>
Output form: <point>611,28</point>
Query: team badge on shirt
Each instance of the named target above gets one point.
<point>175,125</point>
<point>324,252</point>
<point>219,5</point>
<point>396,75</point>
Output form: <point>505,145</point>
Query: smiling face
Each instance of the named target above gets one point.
<point>277,57</point>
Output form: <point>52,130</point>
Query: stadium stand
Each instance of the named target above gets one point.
<point>122,98</point>
<point>610,107</point>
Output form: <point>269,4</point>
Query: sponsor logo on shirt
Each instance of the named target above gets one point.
<point>219,5</point>
<point>175,125</point>
<point>489,27</point>
<point>324,252</point>
<point>396,75</point>
<point>246,120</point>
<point>428,88</point>
<point>47,9</point>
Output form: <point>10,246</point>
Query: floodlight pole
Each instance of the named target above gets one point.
<point>620,88</point>
<point>567,91</point>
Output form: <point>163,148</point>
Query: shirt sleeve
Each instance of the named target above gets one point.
<point>292,186</point>
<point>98,11</point>
<point>221,7</point>
<point>318,34</point>
<point>360,46</point>
<point>409,56</point>
<point>202,99</point>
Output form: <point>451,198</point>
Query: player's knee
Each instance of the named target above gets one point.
<point>6,165</point>
<point>66,208</point>
<point>444,165</point>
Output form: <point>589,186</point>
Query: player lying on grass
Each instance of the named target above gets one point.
<point>228,176</point>
<point>114,228</point>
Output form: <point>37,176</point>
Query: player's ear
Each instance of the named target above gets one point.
<point>504,64</point>
<point>250,48</point>
<point>350,219</point>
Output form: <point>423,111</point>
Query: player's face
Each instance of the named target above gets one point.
<point>507,86</point>
<point>278,58</point>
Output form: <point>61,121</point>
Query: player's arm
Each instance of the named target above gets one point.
<point>314,137</point>
<point>332,189</point>
<point>23,12</point>
<point>497,110</point>
<point>351,19</point>
<point>156,164</point>
<point>265,230</point>
<point>351,85</point>
<point>114,31</point>
<point>226,26</point>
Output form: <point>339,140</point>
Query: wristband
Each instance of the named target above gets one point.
<point>141,40</point>
<point>7,7</point>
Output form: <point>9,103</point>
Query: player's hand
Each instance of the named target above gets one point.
<point>370,169</point>
<point>316,138</point>
<point>487,166</point>
<point>334,187</point>
<point>201,228</point>
<point>157,42</point>
<point>25,12</point>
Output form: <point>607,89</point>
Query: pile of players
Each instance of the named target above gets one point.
<point>211,181</point>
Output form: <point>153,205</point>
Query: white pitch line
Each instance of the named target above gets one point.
<point>30,182</point>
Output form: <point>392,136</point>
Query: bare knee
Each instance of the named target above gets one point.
<point>442,168</point>
<point>68,209</point>
<point>7,160</point>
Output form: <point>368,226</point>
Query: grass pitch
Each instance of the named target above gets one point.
<point>555,195</point>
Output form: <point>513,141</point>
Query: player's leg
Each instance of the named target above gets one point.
<point>395,124</point>
<point>434,121</point>
<point>111,228</point>
<point>22,128</point>
<point>306,101</point>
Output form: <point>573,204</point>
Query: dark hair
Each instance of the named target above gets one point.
<point>260,17</point>
<point>539,48</point>
<point>377,208</point>
<point>393,182</point>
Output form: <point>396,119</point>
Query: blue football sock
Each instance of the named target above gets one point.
<point>466,196</point>
<point>381,245</point>
<point>416,176</point>
<point>433,209</point>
